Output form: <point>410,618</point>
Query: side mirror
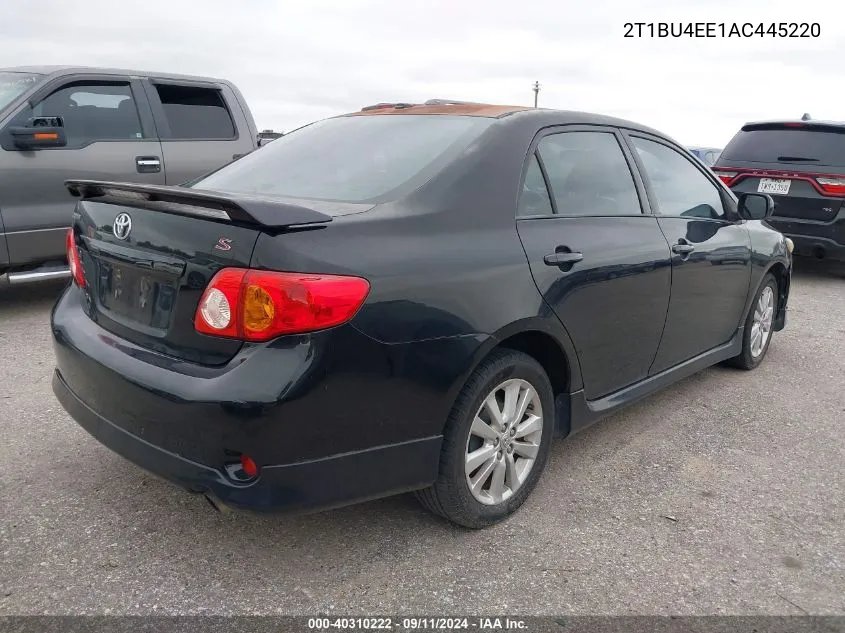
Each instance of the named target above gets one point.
<point>755,206</point>
<point>42,131</point>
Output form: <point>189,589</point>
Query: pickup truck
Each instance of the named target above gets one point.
<point>60,123</point>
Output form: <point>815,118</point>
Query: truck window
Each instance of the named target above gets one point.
<point>195,113</point>
<point>91,112</point>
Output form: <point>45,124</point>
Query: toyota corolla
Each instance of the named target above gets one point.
<point>406,298</point>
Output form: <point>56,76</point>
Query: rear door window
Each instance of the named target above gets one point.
<point>534,199</point>
<point>588,174</point>
<point>195,113</point>
<point>787,145</point>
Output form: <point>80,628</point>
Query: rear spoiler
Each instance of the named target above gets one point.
<point>813,126</point>
<point>222,207</point>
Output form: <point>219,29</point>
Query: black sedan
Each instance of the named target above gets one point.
<point>406,298</point>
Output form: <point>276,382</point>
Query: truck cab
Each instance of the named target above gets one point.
<point>60,123</point>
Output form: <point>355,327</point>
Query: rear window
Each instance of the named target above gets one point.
<point>351,159</point>
<point>13,85</point>
<point>815,147</point>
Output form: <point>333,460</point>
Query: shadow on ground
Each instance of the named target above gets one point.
<point>809,267</point>
<point>32,296</point>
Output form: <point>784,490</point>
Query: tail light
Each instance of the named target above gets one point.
<point>73,259</point>
<point>831,185</point>
<point>726,177</point>
<point>258,305</point>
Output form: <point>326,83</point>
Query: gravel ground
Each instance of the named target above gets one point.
<point>722,494</point>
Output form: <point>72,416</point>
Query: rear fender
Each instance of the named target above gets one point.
<point>548,325</point>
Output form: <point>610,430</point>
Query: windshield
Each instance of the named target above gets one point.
<point>351,159</point>
<point>13,84</point>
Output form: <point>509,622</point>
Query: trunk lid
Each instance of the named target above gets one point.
<point>149,252</point>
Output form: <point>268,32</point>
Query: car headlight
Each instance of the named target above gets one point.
<point>789,244</point>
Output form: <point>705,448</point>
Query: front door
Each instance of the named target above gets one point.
<point>711,253</point>
<point>601,264</point>
<point>105,141</point>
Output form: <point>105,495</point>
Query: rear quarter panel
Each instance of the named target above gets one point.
<point>428,279</point>
<point>440,299</point>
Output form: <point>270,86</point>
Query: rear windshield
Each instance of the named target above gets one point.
<point>784,145</point>
<point>12,85</point>
<point>350,159</point>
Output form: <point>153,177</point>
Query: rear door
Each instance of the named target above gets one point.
<point>201,125</point>
<point>110,136</point>
<point>601,263</point>
<point>711,252</point>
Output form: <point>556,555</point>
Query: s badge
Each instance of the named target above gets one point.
<point>223,244</point>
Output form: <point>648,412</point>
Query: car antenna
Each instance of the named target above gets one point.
<point>806,116</point>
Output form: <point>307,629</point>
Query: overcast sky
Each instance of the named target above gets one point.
<point>300,61</point>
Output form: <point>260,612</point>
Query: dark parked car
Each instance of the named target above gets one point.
<point>707,155</point>
<point>801,164</point>
<point>60,122</point>
<point>406,298</point>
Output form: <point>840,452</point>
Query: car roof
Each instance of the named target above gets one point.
<point>544,116</point>
<point>72,70</point>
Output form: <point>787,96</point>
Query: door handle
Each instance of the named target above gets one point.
<point>148,164</point>
<point>562,258</point>
<point>683,248</point>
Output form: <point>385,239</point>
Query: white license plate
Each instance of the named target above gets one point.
<point>770,185</point>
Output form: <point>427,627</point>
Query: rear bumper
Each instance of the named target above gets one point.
<point>331,418</point>
<point>809,246</point>
<point>309,485</point>
<point>812,238</point>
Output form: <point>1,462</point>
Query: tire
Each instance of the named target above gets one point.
<point>451,496</point>
<point>747,359</point>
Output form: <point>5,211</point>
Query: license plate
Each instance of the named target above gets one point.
<point>770,185</point>
<point>136,296</point>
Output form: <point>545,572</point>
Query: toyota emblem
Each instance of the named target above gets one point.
<point>122,226</point>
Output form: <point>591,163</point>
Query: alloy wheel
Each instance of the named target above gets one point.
<point>761,326</point>
<point>503,441</point>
